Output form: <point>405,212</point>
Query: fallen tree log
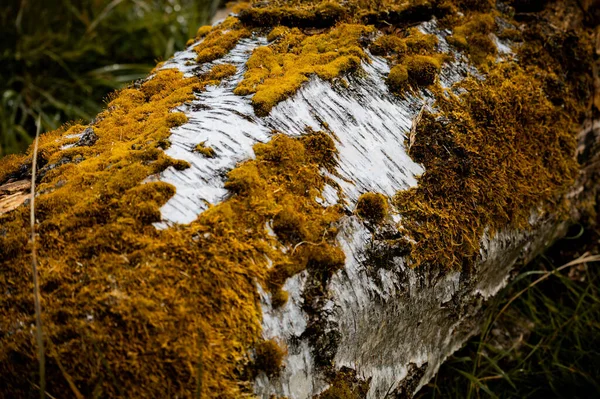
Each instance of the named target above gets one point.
<point>312,200</point>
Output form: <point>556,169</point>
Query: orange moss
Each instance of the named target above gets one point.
<point>222,71</point>
<point>10,164</point>
<point>397,79</point>
<point>322,13</point>
<point>221,39</point>
<point>176,119</point>
<point>326,13</point>
<point>217,74</point>
<point>388,44</point>
<point>184,296</point>
<point>346,385</point>
<point>476,5</point>
<point>473,36</point>
<point>289,226</point>
<point>503,148</point>
<point>511,34</point>
<point>279,298</point>
<point>203,31</point>
<point>479,154</point>
<point>160,293</point>
<point>413,41</point>
<point>277,71</point>
<point>413,53</point>
<point>372,207</point>
<point>418,42</point>
<point>269,357</point>
<point>208,152</point>
<point>422,70</point>
<point>414,72</point>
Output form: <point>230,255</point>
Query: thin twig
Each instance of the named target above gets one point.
<point>36,284</point>
<point>413,128</point>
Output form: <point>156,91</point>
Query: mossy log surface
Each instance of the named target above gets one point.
<point>315,199</point>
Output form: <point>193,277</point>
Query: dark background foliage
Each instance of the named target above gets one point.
<point>60,58</point>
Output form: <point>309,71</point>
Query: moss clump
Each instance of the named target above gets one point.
<point>413,41</point>
<point>372,207</point>
<point>422,70</point>
<point>388,44</point>
<point>269,357</point>
<point>288,224</point>
<point>208,152</point>
<point>281,272</point>
<point>479,154</point>
<point>514,35</point>
<point>277,71</point>
<point>216,75</point>
<point>413,53</point>
<point>276,33</point>
<point>473,36</point>
<point>322,260</point>
<point>221,71</point>
<point>221,39</point>
<point>176,119</point>
<point>414,72</point>
<point>418,42</point>
<point>279,298</point>
<point>10,165</point>
<point>397,79</point>
<point>203,31</point>
<point>476,5</point>
<point>346,385</point>
<point>326,13</point>
<point>318,14</point>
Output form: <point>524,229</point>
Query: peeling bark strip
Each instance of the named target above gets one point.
<point>313,200</point>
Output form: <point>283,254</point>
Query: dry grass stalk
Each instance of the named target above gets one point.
<point>36,284</point>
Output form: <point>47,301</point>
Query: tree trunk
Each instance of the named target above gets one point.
<point>377,324</point>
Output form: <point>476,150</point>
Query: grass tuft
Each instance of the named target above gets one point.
<point>541,335</point>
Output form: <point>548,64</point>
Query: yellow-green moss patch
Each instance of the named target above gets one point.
<point>277,71</point>
<point>491,156</point>
<point>414,72</point>
<point>220,40</point>
<point>502,149</point>
<point>474,37</point>
<point>208,152</point>
<point>306,14</point>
